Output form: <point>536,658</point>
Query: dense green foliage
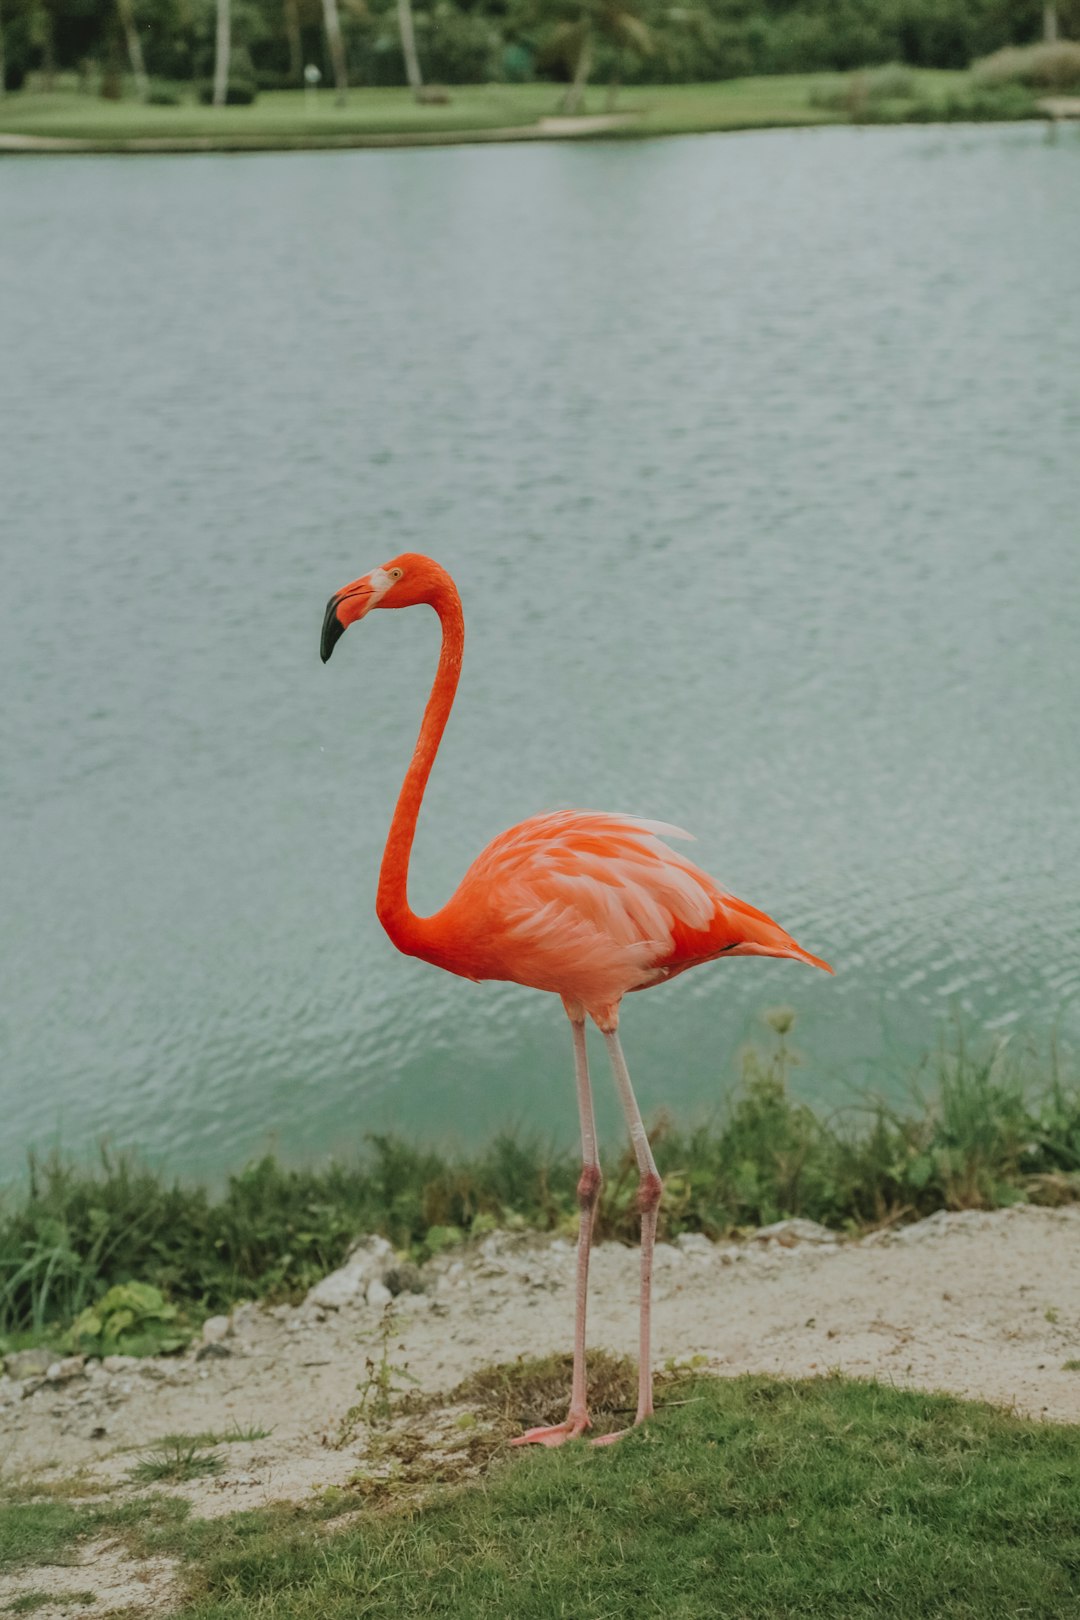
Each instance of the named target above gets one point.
<point>475,41</point>
<point>751,1498</point>
<point>986,1136</point>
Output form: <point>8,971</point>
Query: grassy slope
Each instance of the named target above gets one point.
<point>283,116</point>
<point>753,1500</point>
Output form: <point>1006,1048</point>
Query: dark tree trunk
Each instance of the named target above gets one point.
<point>222,52</point>
<point>295,40</point>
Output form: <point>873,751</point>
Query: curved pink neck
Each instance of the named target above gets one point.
<point>392,901</point>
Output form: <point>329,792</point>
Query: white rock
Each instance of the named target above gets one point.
<point>119,1364</point>
<point>216,1328</point>
<point>29,1363</point>
<point>666,1254</point>
<point>787,1233</point>
<point>378,1294</point>
<point>944,1222</point>
<point>67,1368</point>
<point>348,1285</point>
<point>694,1243</point>
<point>414,1302</point>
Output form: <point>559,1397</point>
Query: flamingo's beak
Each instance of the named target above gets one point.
<point>332,629</point>
<point>343,609</point>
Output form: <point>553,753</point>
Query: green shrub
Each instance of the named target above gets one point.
<point>867,87</point>
<point>129,1317</point>
<point>984,105</point>
<point>1040,67</point>
<point>238,93</point>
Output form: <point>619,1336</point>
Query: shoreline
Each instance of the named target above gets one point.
<point>69,121</point>
<point>629,127</point>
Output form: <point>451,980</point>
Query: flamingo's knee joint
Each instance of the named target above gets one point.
<point>649,1192</point>
<point>588,1187</point>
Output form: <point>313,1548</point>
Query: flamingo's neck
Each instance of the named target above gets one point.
<point>392,902</point>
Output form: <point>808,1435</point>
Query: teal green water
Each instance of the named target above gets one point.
<point>757,460</point>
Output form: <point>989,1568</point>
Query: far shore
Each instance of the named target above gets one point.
<point>69,121</point>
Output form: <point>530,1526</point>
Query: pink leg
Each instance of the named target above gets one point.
<point>588,1192</point>
<point>650,1188</point>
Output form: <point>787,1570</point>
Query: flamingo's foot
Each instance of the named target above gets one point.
<point>557,1435</point>
<point>619,1434</point>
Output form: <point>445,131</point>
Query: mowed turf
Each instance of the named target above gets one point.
<point>281,118</point>
<point>756,1500</point>
<point>751,1499</point>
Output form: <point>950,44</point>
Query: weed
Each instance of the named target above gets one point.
<point>174,1460</point>
<point>380,1385</point>
<point>212,1437</point>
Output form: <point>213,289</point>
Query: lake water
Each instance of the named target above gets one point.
<point>757,460</point>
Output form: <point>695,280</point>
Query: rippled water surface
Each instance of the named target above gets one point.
<point>757,460</point>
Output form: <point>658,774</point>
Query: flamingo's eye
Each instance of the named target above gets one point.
<point>395,573</point>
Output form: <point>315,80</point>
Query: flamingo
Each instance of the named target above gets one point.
<point>585,905</point>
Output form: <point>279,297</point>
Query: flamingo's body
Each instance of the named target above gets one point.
<point>585,905</point>
<point>592,906</point>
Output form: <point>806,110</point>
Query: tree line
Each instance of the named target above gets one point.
<point>232,48</point>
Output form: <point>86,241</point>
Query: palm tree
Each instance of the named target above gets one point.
<point>579,25</point>
<point>134,45</point>
<point>222,52</point>
<point>337,48</point>
<point>408,47</point>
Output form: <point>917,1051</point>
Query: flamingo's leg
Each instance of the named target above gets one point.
<point>650,1188</point>
<point>588,1192</point>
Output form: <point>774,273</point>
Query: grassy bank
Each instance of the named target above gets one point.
<point>284,119</point>
<point>748,1498</point>
<point>990,1125</point>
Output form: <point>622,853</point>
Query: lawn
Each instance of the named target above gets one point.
<point>749,1499</point>
<point>284,118</point>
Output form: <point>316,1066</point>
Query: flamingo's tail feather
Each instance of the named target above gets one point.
<point>761,936</point>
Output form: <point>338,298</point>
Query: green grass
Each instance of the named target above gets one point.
<point>743,1499</point>
<point>756,1499</point>
<point>752,1499</point>
<point>30,1602</point>
<point>38,1527</point>
<point>283,118</point>
<point>986,1125</point>
<point>174,1461</point>
<point>237,1435</point>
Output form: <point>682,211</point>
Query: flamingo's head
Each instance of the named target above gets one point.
<point>402,582</point>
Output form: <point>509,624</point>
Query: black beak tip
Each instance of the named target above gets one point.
<point>332,630</point>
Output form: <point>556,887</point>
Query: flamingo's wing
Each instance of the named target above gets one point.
<point>599,904</point>
<point>596,896</point>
